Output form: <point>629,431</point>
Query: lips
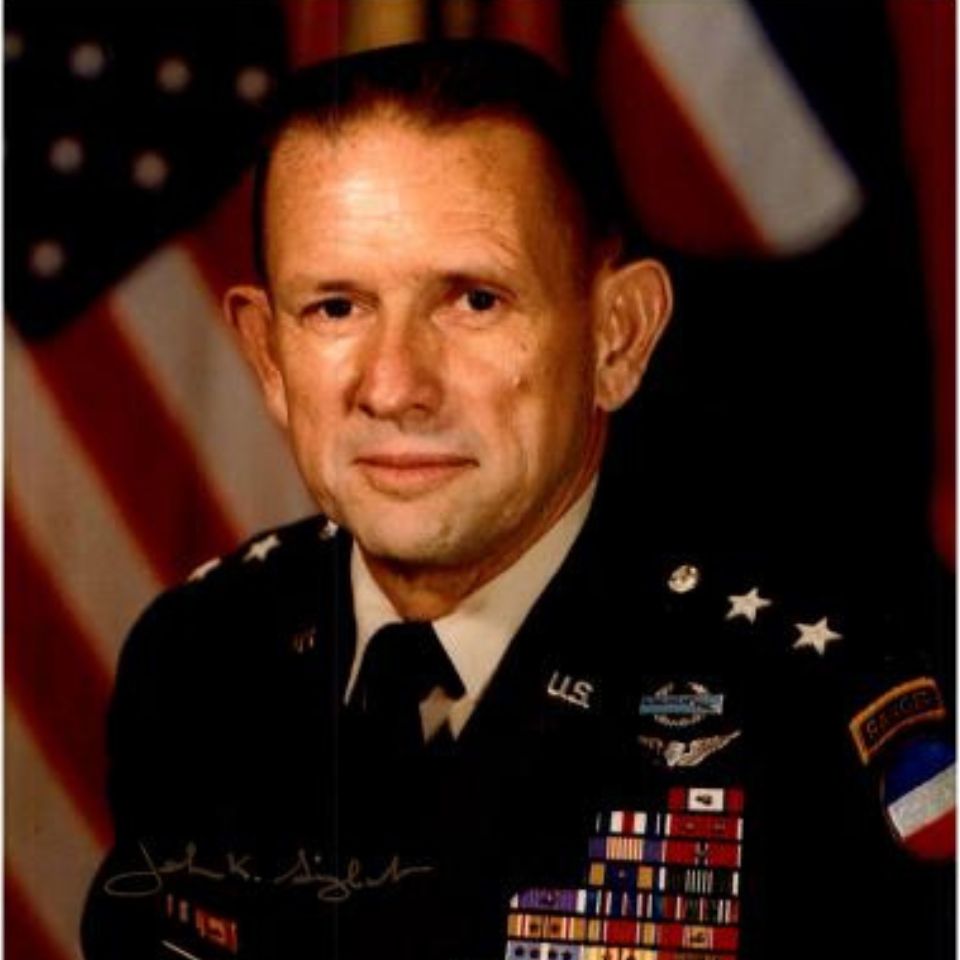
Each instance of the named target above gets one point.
<point>411,473</point>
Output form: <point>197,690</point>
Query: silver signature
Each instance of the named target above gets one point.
<point>302,871</point>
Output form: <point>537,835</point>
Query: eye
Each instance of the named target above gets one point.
<point>480,300</point>
<point>332,308</point>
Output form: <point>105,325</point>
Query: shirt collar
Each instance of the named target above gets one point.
<point>475,635</point>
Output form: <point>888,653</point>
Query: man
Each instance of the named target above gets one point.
<point>466,713</point>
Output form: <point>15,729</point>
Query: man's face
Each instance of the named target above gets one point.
<point>432,336</point>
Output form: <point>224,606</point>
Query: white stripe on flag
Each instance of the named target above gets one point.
<point>67,514</point>
<point>924,804</point>
<point>48,845</point>
<point>752,117</point>
<point>171,319</point>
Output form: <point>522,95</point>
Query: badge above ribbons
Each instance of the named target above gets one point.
<point>673,712</point>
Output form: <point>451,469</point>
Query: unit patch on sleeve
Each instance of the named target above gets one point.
<point>910,703</point>
<point>919,796</point>
<point>666,881</point>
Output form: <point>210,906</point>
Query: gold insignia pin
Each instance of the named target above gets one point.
<point>684,579</point>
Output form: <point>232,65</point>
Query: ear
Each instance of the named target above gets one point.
<point>635,302</point>
<point>248,311</point>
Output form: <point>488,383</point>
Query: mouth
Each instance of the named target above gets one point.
<point>411,474</point>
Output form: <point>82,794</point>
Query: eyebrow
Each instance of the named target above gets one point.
<point>465,278</point>
<point>302,284</point>
<point>496,273</point>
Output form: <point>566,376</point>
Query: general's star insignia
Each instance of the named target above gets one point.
<point>260,549</point>
<point>816,635</point>
<point>747,605</point>
<point>328,531</point>
<point>204,569</point>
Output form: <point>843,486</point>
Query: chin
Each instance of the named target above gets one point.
<point>421,542</point>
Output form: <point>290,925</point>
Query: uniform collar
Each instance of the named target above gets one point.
<point>476,635</point>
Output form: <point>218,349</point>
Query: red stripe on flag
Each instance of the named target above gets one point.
<point>55,678</point>
<point>314,29</point>
<point>679,193</point>
<point>105,394</point>
<point>221,245</point>
<point>24,935</point>
<point>925,40</point>
<point>537,26</point>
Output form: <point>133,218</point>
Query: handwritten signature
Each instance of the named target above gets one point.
<point>304,871</point>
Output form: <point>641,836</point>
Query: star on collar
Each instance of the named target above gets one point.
<point>747,605</point>
<point>260,549</point>
<point>816,635</point>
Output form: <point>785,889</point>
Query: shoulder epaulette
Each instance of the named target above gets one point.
<point>258,548</point>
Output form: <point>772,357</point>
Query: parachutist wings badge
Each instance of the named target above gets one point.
<point>691,753</point>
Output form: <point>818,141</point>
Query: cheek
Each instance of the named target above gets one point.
<point>312,371</point>
<point>539,403</point>
<point>555,374</point>
<point>313,403</point>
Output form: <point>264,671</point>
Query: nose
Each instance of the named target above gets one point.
<point>400,373</point>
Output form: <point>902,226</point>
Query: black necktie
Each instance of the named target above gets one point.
<point>402,665</point>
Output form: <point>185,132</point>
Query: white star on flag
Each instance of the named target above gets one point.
<point>816,635</point>
<point>747,605</point>
<point>260,549</point>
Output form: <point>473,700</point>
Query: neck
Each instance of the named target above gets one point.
<point>425,592</point>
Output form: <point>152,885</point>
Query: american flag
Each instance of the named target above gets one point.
<point>136,442</point>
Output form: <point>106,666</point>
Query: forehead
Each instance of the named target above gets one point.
<point>485,173</point>
<point>493,140</point>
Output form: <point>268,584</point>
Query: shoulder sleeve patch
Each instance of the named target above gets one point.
<point>903,706</point>
<point>919,797</point>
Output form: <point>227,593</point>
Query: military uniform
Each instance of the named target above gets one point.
<point>661,768</point>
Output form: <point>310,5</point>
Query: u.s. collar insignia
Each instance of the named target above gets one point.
<point>686,753</point>
<point>681,704</point>
<point>565,687</point>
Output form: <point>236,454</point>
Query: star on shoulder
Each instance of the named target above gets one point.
<point>816,635</point>
<point>747,605</point>
<point>260,549</point>
<point>198,573</point>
